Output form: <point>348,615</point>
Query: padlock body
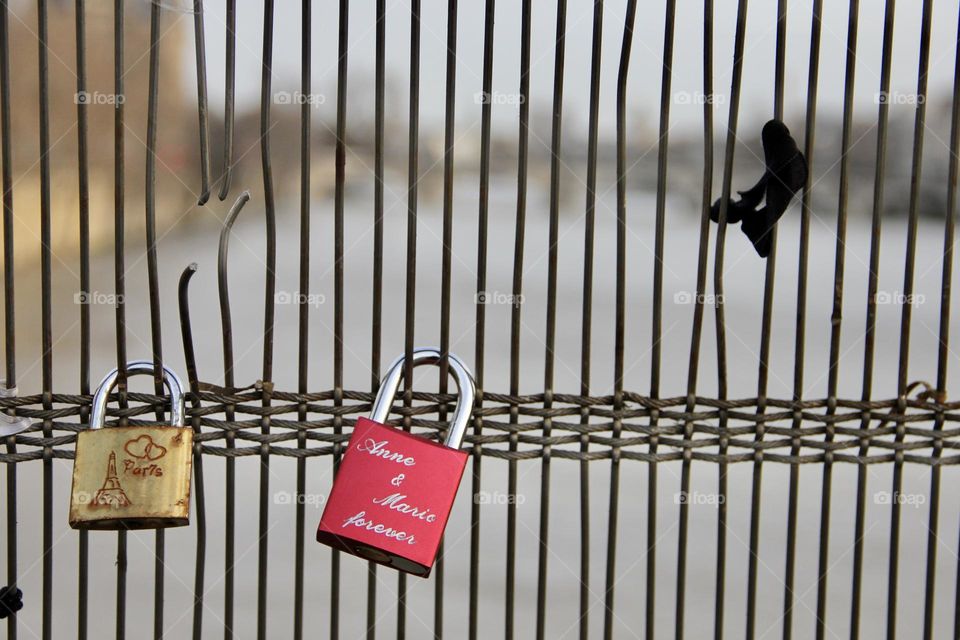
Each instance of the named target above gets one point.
<point>132,478</point>
<point>391,498</point>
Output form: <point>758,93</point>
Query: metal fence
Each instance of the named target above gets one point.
<point>650,429</point>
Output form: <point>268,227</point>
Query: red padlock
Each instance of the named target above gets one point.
<point>394,490</point>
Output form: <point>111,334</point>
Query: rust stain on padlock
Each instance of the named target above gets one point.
<point>394,491</point>
<point>135,477</point>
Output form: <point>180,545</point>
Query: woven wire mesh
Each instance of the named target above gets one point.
<point>628,568</point>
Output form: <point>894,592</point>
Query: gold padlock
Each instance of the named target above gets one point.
<point>133,477</point>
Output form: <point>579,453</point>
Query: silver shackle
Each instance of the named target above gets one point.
<point>461,375</point>
<point>98,414</point>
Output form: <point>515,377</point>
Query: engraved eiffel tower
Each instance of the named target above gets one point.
<point>111,493</point>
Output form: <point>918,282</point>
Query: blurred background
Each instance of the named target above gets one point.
<point>189,233</point>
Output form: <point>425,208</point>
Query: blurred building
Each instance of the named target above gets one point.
<point>177,145</point>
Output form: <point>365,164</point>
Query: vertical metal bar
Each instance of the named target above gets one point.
<point>799,345</point>
<point>200,515</point>
<point>662,149</point>
<point>586,333</point>
<point>836,317</point>
<point>517,291</point>
<point>449,132</point>
<point>620,327</point>
<point>666,82</point>
<point>914,212</point>
<point>9,263</point>
<point>46,286</point>
<point>585,592</point>
<point>779,64</point>
<point>413,177</point>
<point>719,311</point>
<point>226,331</point>
<point>270,281</point>
<point>153,283</point>
<point>551,334</point>
<point>83,187</point>
<point>765,337</point>
<point>200,48</point>
<point>481,312</point>
<point>230,81</point>
<point>306,40</point>
<point>9,282</point>
<point>376,330</point>
<point>697,329</point>
<point>906,310</point>
<point>340,160</point>
<point>119,270</point>
<point>946,280</point>
<point>870,333</point>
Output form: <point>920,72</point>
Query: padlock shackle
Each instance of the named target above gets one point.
<point>98,413</point>
<point>461,375</point>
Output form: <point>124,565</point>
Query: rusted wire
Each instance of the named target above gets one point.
<point>498,431</point>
